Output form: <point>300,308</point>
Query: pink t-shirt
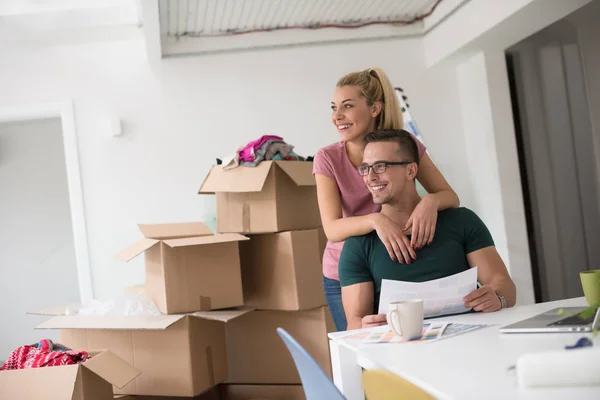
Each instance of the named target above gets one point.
<point>333,161</point>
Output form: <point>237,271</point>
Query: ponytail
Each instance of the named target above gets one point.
<point>374,85</point>
<point>391,115</point>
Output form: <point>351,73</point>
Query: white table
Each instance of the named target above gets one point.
<point>473,365</point>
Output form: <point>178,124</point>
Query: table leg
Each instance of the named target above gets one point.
<point>347,374</point>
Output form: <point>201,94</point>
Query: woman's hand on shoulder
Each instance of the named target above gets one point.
<point>423,221</point>
<point>395,241</point>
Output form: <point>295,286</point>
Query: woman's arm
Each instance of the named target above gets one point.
<point>422,221</point>
<point>338,229</point>
<point>436,185</point>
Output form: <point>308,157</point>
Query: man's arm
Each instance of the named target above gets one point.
<point>358,302</point>
<point>491,271</point>
<point>358,290</point>
<point>494,277</point>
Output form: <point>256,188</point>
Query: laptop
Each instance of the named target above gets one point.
<point>555,321</point>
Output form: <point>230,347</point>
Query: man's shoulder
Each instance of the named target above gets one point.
<point>467,224</point>
<point>461,219</point>
<point>462,214</point>
<point>361,240</point>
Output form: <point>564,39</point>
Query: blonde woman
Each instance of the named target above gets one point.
<point>362,102</point>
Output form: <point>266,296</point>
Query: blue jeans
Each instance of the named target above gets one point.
<point>333,295</point>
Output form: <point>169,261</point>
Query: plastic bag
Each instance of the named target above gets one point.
<point>128,304</point>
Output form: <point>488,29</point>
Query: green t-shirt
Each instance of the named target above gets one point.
<point>458,232</point>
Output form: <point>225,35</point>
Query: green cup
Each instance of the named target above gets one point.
<point>590,282</point>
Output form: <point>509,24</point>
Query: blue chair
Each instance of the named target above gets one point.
<point>316,383</point>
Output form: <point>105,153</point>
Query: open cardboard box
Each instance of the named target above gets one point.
<point>283,271</point>
<point>257,355</point>
<point>262,392</point>
<point>238,392</point>
<point>272,197</point>
<point>90,380</point>
<point>188,268</point>
<point>177,355</point>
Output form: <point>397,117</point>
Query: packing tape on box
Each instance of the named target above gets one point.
<point>246,218</point>
<point>205,304</point>
<point>579,367</point>
<point>210,369</point>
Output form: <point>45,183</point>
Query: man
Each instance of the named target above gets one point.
<point>461,240</point>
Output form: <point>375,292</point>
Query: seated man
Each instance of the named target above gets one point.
<point>461,240</point>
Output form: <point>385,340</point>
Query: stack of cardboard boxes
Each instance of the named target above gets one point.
<point>275,205</point>
<point>223,295</point>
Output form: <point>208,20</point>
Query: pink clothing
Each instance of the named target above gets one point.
<point>247,153</point>
<point>333,162</point>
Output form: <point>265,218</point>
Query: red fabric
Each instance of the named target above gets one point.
<point>43,354</point>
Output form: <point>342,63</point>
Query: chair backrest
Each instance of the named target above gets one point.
<point>384,385</point>
<point>316,383</point>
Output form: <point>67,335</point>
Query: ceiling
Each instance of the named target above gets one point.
<point>206,26</point>
<point>183,27</point>
<point>209,18</point>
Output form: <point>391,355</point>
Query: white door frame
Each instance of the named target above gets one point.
<point>65,111</point>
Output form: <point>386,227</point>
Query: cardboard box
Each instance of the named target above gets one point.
<point>91,380</point>
<point>188,268</point>
<point>272,197</point>
<point>283,271</point>
<point>256,353</point>
<point>237,392</point>
<point>177,355</point>
<point>211,394</point>
<point>262,392</point>
<point>322,242</point>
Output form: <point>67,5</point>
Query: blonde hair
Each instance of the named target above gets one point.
<point>374,85</point>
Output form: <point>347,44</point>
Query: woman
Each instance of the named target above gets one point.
<point>362,102</point>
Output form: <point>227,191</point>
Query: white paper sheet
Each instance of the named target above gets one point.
<point>440,296</point>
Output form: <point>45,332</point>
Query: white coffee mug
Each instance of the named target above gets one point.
<point>405,318</point>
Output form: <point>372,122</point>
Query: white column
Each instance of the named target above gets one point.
<point>493,162</point>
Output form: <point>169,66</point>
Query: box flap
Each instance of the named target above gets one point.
<point>136,289</point>
<point>112,368</point>
<point>223,315</point>
<point>240,179</point>
<point>177,230</point>
<point>56,310</point>
<point>220,238</point>
<point>299,171</point>
<point>136,249</point>
<point>49,383</point>
<point>130,322</point>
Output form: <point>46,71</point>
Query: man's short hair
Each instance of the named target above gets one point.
<point>407,143</point>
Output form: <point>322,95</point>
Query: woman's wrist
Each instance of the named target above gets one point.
<point>431,197</point>
<point>375,218</point>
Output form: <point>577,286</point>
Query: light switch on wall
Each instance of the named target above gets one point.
<point>115,127</point>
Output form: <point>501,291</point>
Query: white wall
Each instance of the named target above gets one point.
<point>172,109</point>
<point>181,114</point>
<point>472,41</point>
<point>472,20</point>
<point>436,108</point>
<point>488,23</point>
<point>37,257</point>
<point>480,147</point>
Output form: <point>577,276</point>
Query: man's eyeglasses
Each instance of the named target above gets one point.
<point>380,167</point>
